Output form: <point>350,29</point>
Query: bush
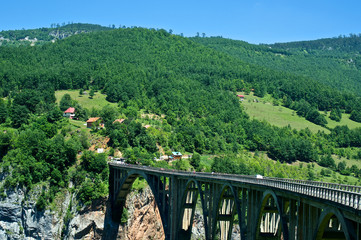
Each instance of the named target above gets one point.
<point>86,192</point>
<point>41,202</point>
<point>195,161</point>
<point>355,116</point>
<point>125,216</point>
<point>327,161</point>
<point>336,115</point>
<point>94,162</point>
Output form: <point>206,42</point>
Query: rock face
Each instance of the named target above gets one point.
<point>20,220</point>
<point>144,219</point>
<point>86,225</point>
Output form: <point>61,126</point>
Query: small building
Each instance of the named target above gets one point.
<point>69,113</point>
<point>176,156</point>
<point>147,126</point>
<point>91,121</point>
<point>241,97</point>
<point>119,120</point>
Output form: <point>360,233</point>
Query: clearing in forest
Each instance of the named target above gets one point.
<point>98,101</point>
<point>266,109</point>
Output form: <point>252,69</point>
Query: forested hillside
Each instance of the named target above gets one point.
<point>335,62</point>
<point>94,59</point>
<point>43,35</point>
<point>329,46</point>
<point>184,90</point>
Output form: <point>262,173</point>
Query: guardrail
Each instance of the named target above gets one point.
<point>346,195</point>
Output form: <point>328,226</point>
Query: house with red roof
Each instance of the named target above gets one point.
<point>241,97</point>
<point>69,113</point>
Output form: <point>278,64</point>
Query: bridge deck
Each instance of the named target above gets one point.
<point>346,195</point>
<point>295,209</point>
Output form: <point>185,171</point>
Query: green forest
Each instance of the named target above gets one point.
<point>185,90</point>
<point>335,62</point>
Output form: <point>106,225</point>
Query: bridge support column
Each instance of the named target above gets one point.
<point>307,221</point>
<point>254,199</point>
<point>292,219</point>
<point>314,214</point>
<point>243,213</point>
<point>173,205</point>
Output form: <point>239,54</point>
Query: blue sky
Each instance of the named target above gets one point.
<point>262,21</point>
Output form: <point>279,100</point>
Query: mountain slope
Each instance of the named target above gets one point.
<point>193,85</point>
<point>329,46</point>
<point>43,35</point>
<point>334,62</point>
<point>142,55</point>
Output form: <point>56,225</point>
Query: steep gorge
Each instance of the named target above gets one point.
<point>20,220</point>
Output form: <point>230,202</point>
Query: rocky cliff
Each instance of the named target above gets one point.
<point>20,220</point>
<point>143,222</point>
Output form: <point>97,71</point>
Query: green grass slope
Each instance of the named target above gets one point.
<point>277,115</point>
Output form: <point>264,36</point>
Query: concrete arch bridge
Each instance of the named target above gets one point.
<point>266,208</point>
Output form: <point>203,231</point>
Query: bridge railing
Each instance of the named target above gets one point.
<point>346,195</point>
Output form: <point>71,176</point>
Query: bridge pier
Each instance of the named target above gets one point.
<point>266,208</point>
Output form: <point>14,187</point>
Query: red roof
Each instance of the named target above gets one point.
<point>70,110</point>
<point>241,96</point>
<point>94,119</point>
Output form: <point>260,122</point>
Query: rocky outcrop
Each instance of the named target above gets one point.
<point>87,225</point>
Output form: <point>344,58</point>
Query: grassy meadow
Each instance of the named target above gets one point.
<point>276,115</point>
<point>98,101</point>
<point>281,116</point>
<point>344,121</point>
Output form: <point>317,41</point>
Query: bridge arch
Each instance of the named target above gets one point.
<point>332,224</point>
<point>270,222</point>
<point>227,207</point>
<point>125,186</point>
<point>187,209</point>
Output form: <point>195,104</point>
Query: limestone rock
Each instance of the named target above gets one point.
<point>89,225</point>
<point>144,221</point>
